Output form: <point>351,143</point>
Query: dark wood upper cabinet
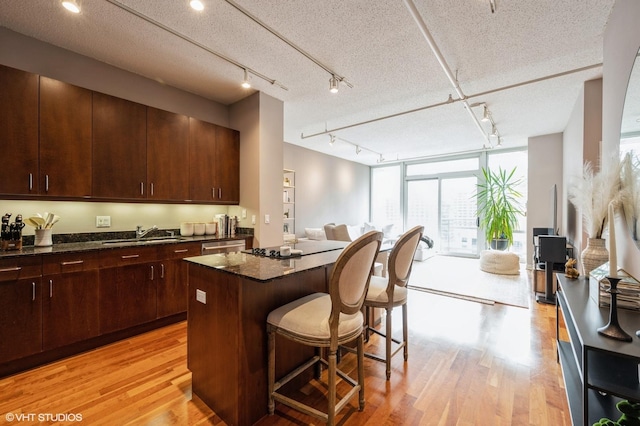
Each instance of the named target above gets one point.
<point>18,131</point>
<point>65,139</point>
<point>202,161</point>
<point>167,155</point>
<point>214,163</point>
<point>119,161</point>
<point>228,169</point>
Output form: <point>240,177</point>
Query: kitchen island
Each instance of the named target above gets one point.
<point>230,296</point>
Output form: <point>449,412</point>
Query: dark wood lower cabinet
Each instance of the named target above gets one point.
<point>20,318</point>
<point>127,296</point>
<point>69,308</point>
<point>173,283</point>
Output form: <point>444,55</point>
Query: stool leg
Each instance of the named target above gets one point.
<point>361,370</point>
<point>271,349</point>
<point>405,332</point>
<point>388,343</point>
<point>331,411</point>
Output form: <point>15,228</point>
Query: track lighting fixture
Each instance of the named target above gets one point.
<point>332,139</point>
<point>71,6</point>
<point>196,5</point>
<point>380,158</point>
<point>486,114</point>
<point>333,84</point>
<point>358,150</point>
<point>494,131</point>
<point>246,83</point>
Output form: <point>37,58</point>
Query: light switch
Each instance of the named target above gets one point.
<point>267,218</point>
<point>244,213</point>
<point>253,219</point>
<point>201,296</point>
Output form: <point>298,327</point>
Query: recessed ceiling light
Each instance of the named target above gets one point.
<point>196,5</point>
<point>71,6</point>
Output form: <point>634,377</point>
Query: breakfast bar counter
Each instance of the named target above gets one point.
<point>230,296</point>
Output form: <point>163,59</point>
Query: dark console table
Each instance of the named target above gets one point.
<point>598,371</point>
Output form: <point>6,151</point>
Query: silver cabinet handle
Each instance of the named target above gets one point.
<point>151,272</point>
<point>220,193</point>
<point>72,262</point>
<point>30,181</point>
<point>14,269</point>
<point>46,183</point>
<point>130,256</point>
<point>33,291</point>
<point>162,270</point>
<point>141,188</point>
<point>151,193</point>
<point>213,193</point>
<point>50,289</point>
<point>181,251</point>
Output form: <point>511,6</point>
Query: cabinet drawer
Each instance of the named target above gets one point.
<point>127,256</point>
<point>179,251</point>
<point>20,267</point>
<point>70,262</point>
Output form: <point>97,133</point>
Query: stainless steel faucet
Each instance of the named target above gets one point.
<point>142,232</point>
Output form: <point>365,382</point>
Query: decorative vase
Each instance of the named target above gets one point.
<point>594,255</point>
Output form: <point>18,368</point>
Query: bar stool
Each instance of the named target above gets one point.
<point>326,320</point>
<point>390,292</point>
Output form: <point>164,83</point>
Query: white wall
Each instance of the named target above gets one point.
<point>28,54</point>
<point>328,189</point>
<point>545,170</point>
<point>581,143</point>
<point>621,44</point>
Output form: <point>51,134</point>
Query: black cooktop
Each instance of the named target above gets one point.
<point>306,247</point>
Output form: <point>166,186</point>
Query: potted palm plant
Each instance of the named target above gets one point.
<point>499,206</point>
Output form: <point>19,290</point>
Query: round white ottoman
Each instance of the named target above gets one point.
<point>500,262</point>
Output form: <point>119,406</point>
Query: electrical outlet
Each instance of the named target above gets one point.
<point>244,213</point>
<point>253,219</point>
<point>201,296</point>
<point>267,218</point>
<point>103,221</point>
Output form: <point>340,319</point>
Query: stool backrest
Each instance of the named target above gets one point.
<point>401,257</point>
<point>351,274</point>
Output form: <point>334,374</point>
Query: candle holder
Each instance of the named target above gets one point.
<point>613,329</point>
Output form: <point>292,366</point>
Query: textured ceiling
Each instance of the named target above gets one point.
<point>375,45</point>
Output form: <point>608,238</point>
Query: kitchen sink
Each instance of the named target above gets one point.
<point>141,241</point>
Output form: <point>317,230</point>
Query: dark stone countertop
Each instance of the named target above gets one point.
<point>79,246</point>
<point>264,268</point>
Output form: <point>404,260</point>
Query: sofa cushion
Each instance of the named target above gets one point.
<point>315,234</point>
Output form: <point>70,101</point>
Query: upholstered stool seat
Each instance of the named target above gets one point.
<point>500,262</point>
<point>308,319</point>
<point>378,292</point>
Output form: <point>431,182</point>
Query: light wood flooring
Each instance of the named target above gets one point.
<point>469,364</point>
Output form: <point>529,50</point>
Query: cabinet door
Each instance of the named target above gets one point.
<point>173,283</point>
<point>20,318</point>
<point>19,131</point>
<point>228,166</point>
<point>119,161</point>
<point>65,139</point>
<point>202,161</point>
<point>69,308</point>
<point>127,296</point>
<point>167,155</point>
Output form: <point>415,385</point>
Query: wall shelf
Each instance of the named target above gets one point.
<point>289,201</point>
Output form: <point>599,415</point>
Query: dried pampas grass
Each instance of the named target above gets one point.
<point>592,193</point>
<point>630,193</point>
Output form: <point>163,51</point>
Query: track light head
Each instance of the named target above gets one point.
<point>494,131</point>
<point>380,158</point>
<point>486,113</point>
<point>246,83</point>
<point>358,149</point>
<point>333,84</point>
<point>332,139</point>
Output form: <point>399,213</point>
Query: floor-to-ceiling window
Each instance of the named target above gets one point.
<point>440,195</point>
